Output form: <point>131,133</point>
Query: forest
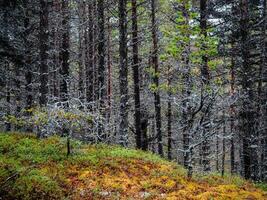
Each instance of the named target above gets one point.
<point>158,88</point>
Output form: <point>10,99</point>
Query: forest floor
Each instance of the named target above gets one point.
<point>39,169</point>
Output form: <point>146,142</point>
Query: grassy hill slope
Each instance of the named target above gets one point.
<point>39,169</point>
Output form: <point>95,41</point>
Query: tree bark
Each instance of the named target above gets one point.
<point>247,112</point>
<point>109,61</point>
<point>169,116</point>
<point>232,113</point>
<point>155,63</point>
<point>81,30</point>
<point>205,74</point>
<point>101,66</point>
<point>64,71</point>
<point>89,54</point>
<point>28,67</point>
<point>135,66</point>
<point>205,77</point>
<point>223,146</point>
<point>262,110</point>
<point>123,130</point>
<point>43,39</point>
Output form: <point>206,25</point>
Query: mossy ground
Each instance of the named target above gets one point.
<point>39,169</point>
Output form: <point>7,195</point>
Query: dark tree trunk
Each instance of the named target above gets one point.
<point>223,145</point>
<point>143,127</point>
<point>43,39</point>
<point>232,114</point>
<point>17,92</point>
<point>89,55</point>
<point>95,51</point>
<point>169,123</point>
<point>247,113</point>
<point>186,107</point>
<point>123,131</point>
<point>64,71</point>
<point>8,98</point>
<point>101,65</point>
<point>205,74</point>
<point>205,77</point>
<point>81,30</point>
<point>28,68</point>
<point>7,68</point>
<point>55,45</point>
<point>109,61</point>
<point>135,66</point>
<point>261,110</point>
<point>155,63</point>
<point>217,153</point>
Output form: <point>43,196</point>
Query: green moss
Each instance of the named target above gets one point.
<point>120,152</point>
<point>262,186</point>
<point>36,185</point>
<point>6,143</point>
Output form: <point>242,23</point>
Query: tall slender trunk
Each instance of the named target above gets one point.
<point>205,77</point>
<point>169,116</point>
<point>232,113</point>
<point>7,68</point>
<point>155,62</point>
<point>43,40</point>
<point>81,85</point>
<point>55,45</point>
<point>123,130</point>
<point>65,55</point>
<point>95,38</point>
<point>135,66</point>
<point>217,153</point>
<point>28,68</point>
<point>205,74</point>
<point>101,65</point>
<point>89,55</point>
<point>186,107</point>
<point>8,98</point>
<point>109,62</point>
<point>262,98</point>
<point>247,112</point>
<point>17,92</point>
<point>223,145</point>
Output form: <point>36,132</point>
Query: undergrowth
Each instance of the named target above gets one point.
<point>39,169</point>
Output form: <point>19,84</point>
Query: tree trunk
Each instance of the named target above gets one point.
<point>27,64</point>
<point>101,66</point>
<point>247,113</point>
<point>43,39</point>
<point>262,99</point>
<point>89,54</point>
<point>109,84</point>
<point>95,38</point>
<point>155,63</point>
<point>205,74</point>
<point>81,30</point>
<point>7,68</point>
<point>64,71</point>
<point>223,145</point>
<point>123,130</point>
<point>169,117</point>
<point>28,67</point>
<point>205,77</point>
<point>232,114</point>
<point>135,66</point>
<point>186,107</point>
